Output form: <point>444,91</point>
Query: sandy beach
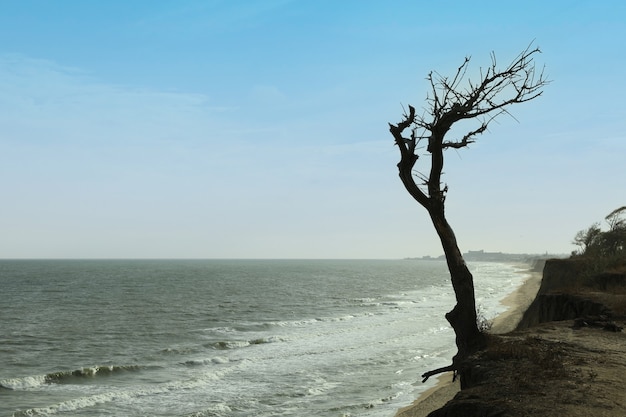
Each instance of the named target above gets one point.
<point>517,302</point>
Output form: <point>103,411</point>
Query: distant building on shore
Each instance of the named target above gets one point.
<point>483,256</point>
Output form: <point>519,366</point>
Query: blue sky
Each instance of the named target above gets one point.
<point>258,129</point>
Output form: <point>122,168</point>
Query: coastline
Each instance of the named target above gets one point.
<point>445,389</point>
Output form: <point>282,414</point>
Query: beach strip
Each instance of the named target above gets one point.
<point>445,389</point>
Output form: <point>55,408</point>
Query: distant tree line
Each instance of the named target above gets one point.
<point>609,245</point>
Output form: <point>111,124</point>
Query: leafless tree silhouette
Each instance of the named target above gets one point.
<point>452,100</point>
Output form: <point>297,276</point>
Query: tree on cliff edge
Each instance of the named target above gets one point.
<point>453,100</point>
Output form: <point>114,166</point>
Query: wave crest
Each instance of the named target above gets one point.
<point>90,372</point>
<point>27,382</point>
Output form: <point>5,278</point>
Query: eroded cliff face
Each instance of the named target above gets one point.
<point>557,307</point>
<point>569,291</point>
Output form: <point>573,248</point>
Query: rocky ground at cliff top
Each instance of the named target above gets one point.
<point>554,369</point>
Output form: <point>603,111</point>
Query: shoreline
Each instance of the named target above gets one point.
<point>445,389</point>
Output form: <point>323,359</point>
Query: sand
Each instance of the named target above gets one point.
<point>446,389</point>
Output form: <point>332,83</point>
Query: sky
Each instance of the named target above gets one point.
<point>259,129</point>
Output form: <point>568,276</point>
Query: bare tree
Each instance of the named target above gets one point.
<point>603,244</point>
<point>614,219</point>
<point>452,100</point>
<point>588,239</point>
<point>615,238</point>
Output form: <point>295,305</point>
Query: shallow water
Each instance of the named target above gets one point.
<point>227,338</point>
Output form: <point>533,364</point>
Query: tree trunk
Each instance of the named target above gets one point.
<point>462,317</point>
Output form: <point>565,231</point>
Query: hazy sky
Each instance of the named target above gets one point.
<point>254,129</point>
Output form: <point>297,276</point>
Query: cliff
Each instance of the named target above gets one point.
<point>566,358</point>
<point>569,291</point>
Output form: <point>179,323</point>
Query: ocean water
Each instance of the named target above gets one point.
<point>227,338</point>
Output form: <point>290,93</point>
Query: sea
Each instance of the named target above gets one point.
<point>199,338</point>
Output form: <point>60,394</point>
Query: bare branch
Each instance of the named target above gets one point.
<point>496,90</point>
<point>409,158</point>
<point>456,98</point>
<point>437,371</point>
<point>466,140</point>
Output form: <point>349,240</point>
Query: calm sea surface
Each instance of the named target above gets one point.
<point>227,338</point>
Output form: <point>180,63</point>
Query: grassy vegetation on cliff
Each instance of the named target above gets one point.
<point>603,250</point>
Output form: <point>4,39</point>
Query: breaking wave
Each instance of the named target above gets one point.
<point>64,376</point>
